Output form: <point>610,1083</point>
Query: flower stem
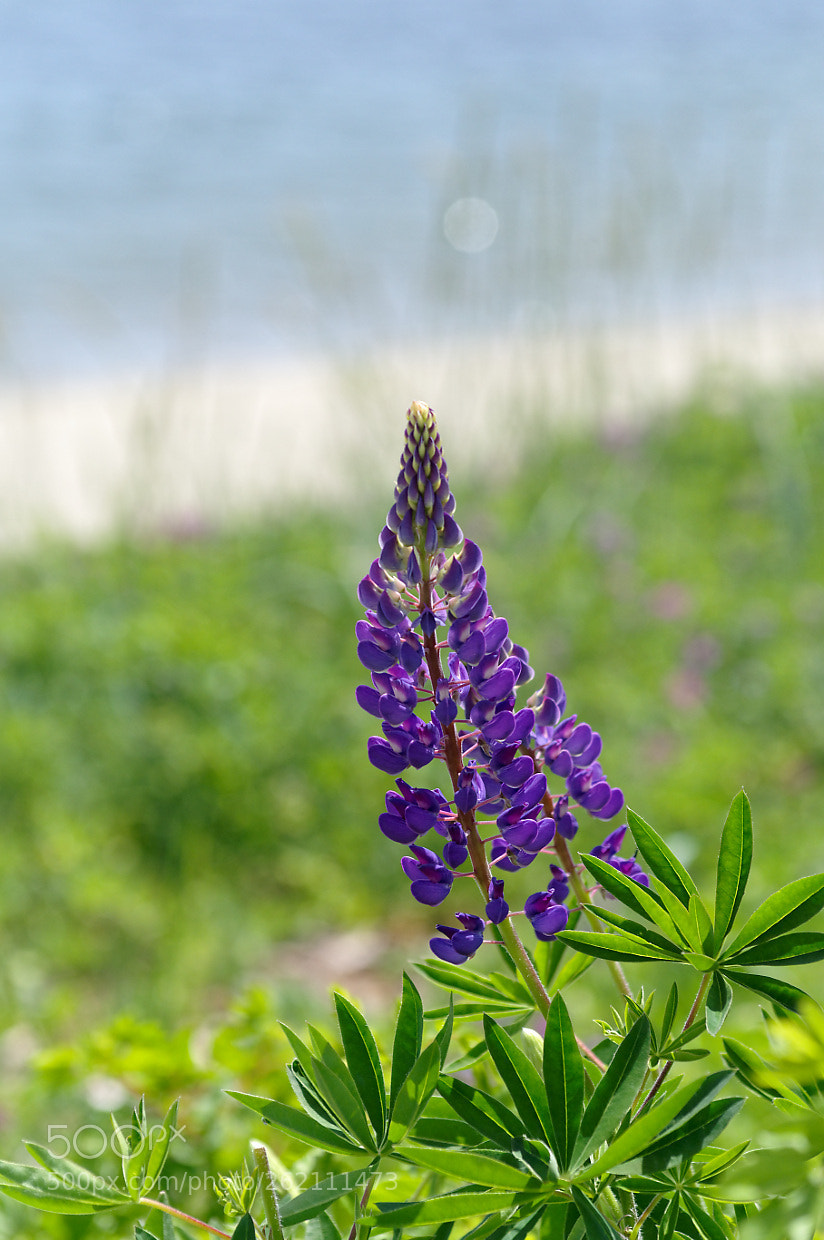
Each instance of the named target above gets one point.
<point>187,1218</point>
<point>267,1192</point>
<point>364,1201</point>
<point>691,1015</point>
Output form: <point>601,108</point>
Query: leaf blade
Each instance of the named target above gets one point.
<point>564,1081</point>
<point>734,861</point>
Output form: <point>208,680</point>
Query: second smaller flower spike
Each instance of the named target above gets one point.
<point>420,518</point>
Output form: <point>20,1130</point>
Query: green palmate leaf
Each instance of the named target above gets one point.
<point>681,916</point>
<point>517,1230</point>
<point>719,1000</point>
<point>160,1148</point>
<point>669,1219</point>
<point>72,1175</point>
<point>708,1227</point>
<point>391,1217</point>
<point>699,1093</point>
<point>625,1149</point>
<point>301,1050</point>
<point>752,1069</point>
<point>661,860</point>
<point>245,1229</point>
<point>437,1130</point>
<point>521,1079</point>
<point>477,1007</point>
<point>734,860</point>
<point>462,981</point>
<point>444,1035</point>
<point>720,1162</point>
<point>339,1091</point>
<point>320,1227</point>
<point>310,1099</point>
<point>670,1012</point>
<point>364,1061</point>
<point>772,988</point>
<point>595,1225</point>
<point>800,947</point>
<point>686,1139</point>
<point>702,924</point>
<point>792,906</point>
<point>614,1093</point>
<point>573,967</point>
<point>73,1191</point>
<point>297,1124</point>
<point>616,946</point>
<point>564,1081</point>
<point>415,1091</point>
<point>512,988</point>
<point>637,930</point>
<point>491,1118</point>
<point>315,1200</point>
<point>474,1168</point>
<point>635,895</point>
<point>406,1046</point>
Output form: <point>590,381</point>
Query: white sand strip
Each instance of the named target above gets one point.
<point>81,460</point>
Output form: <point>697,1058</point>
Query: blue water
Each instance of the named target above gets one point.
<point>182,179</point>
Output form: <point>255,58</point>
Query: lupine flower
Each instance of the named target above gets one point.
<point>546,916</point>
<point>497,908</point>
<point>444,677</point>
<point>608,851</point>
<point>459,945</point>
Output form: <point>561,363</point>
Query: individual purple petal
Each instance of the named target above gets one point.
<point>499,855</point>
<point>392,710</point>
<point>453,577</point>
<point>373,658</point>
<point>547,925</point>
<point>473,649</point>
<point>495,634</point>
<point>497,908</point>
<point>443,949</point>
<point>532,792</point>
<point>611,846</point>
<point>470,557</point>
<point>389,611</point>
<point>394,828</point>
<point>613,805</point>
<point>520,834</point>
<point>499,726</point>
<point>499,686</point>
<point>411,654</point>
<point>368,593</point>
<point>384,757</point>
<point>524,723</point>
<point>367,699</point>
<point>517,772</point>
<point>429,893</point>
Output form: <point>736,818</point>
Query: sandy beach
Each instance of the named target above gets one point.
<point>82,460</point>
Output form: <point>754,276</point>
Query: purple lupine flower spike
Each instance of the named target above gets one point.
<point>445,674</point>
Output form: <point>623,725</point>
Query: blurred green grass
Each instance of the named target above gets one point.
<point>183,779</point>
